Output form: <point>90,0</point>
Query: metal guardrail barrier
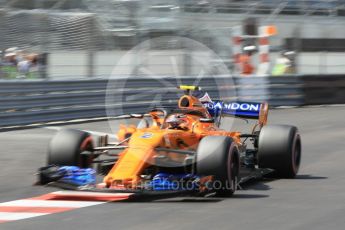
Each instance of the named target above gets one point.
<point>324,89</point>
<point>26,102</point>
<point>286,91</point>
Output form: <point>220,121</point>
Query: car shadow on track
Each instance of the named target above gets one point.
<point>259,185</point>
<point>254,184</point>
<point>196,199</point>
<point>262,185</point>
<point>193,199</point>
<point>310,177</point>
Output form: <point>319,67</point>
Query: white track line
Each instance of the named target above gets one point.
<point>90,194</point>
<point>10,216</point>
<point>44,205</point>
<point>50,203</point>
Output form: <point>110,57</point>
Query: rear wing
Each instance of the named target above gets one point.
<point>249,110</point>
<point>216,108</point>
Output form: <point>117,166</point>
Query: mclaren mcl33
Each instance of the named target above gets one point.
<point>178,149</point>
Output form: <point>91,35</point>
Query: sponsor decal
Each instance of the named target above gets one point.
<point>238,109</point>
<point>147,135</point>
<point>233,106</point>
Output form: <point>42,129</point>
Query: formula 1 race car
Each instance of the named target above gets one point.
<point>176,149</point>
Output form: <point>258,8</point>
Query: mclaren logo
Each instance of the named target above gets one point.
<point>147,135</point>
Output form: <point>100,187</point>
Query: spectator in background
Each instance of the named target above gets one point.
<point>20,64</point>
<point>23,68</point>
<point>291,55</point>
<point>27,65</point>
<point>34,67</point>
<point>1,63</point>
<point>9,64</point>
<point>245,60</point>
<point>284,64</point>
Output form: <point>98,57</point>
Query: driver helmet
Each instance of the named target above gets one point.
<point>176,121</point>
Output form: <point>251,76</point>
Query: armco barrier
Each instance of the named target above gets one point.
<point>285,91</point>
<point>324,89</point>
<point>26,102</point>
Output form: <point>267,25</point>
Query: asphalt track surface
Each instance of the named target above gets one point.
<point>314,200</point>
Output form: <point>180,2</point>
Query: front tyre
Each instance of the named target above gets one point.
<point>66,147</point>
<point>218,156</point>
<point>280,149</point>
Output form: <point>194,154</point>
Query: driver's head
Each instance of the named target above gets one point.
<point>176,121</point>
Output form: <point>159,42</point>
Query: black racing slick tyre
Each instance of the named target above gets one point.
<point>280,149</point>
<point>66,147</point>
<point>218,156</point>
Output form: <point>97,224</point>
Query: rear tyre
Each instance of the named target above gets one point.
<point>66,147</point>
<point>280,149</point>
<point>218,156</point>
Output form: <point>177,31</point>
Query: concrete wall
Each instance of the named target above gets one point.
<point>322,63</point>
<point>156,62</point>
<point>74,64</point>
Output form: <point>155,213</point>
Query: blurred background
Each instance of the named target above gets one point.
<point>56,56</point>
<point>83,64</point>
<point>85,38</point>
